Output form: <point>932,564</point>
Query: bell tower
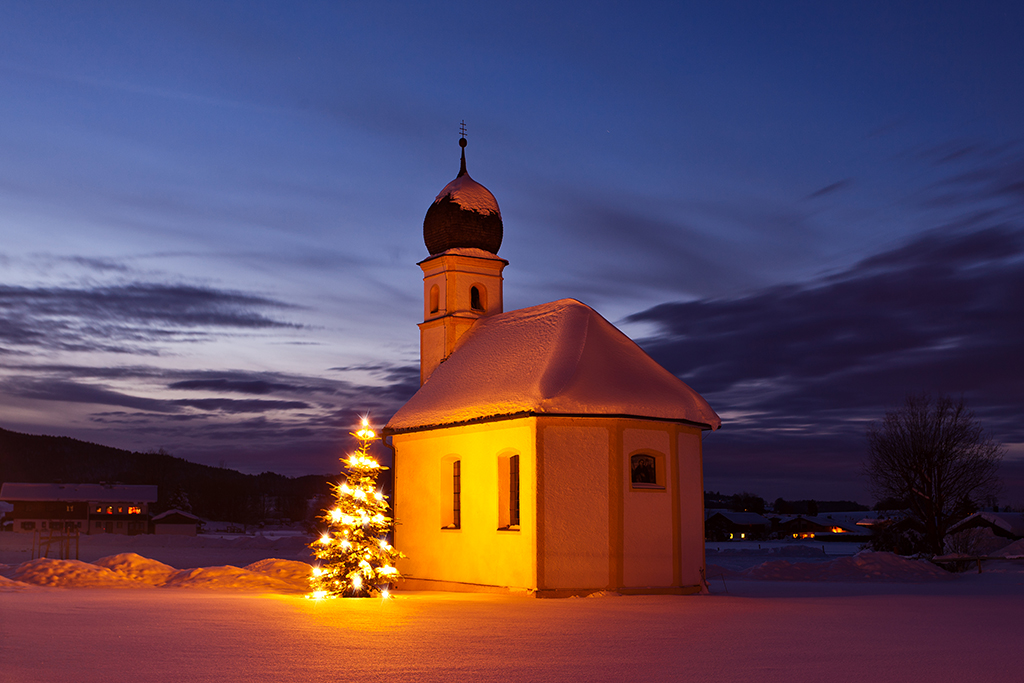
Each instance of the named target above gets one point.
<point>462,277</point>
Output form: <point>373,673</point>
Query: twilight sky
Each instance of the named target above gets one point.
<point>211,213</point>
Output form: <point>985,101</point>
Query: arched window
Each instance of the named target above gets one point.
<point>435,299</point>
<point>475,300</point>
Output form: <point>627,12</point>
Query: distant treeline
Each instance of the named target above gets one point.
<point>213,493</point>
<point>749,502</point>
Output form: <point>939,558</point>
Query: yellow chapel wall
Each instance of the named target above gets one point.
<point>600,532</point>
<point>575,504</point>
<point>478,553</point>
<point>691,505</point>
<point>647,516</point>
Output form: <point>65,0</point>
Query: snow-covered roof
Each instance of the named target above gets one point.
<point>744,518</point>
<point>107,493</point>
<point>559,358</point>
<point>1011,522</point>
<point>470,195</point>
<point>170,514</point>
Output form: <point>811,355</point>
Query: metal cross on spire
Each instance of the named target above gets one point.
<point>462,129</point>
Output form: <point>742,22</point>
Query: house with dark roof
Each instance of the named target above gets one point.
<point>84,508</point>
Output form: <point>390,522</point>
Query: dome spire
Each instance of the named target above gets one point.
<point>464,215</point>
<point>462,144</point>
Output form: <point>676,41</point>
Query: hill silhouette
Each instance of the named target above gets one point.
<point>210,492</point>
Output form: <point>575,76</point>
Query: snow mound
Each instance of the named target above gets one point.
<point>138,568</point>
<point>1014,550</point>
<point>235,579</point>
<point>286,570</point>
<point>11,585</point>
<point>784,551</point>
<point>71,573</point>
<point>864,566</point>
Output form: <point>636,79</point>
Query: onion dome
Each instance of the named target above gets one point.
<point>464,215</point>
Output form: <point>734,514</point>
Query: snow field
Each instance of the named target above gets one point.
<point>791,613</point>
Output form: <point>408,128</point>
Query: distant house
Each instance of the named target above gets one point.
<point>176,523</point>
<point>86,508</point>
<point>819,527</point>
<point>737,526</point>
<point>1006,524</point>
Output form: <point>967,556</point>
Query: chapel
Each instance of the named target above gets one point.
<point>545,452</point>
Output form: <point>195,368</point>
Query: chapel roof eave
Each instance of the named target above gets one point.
<point>560,358</point>
<point>389,431</point>
<point>466,252</point>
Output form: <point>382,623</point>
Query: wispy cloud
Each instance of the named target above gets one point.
<point>128,318</point>
<point>817,361</point>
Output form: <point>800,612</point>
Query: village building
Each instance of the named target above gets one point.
<point>81,508</point>
<point>176,523</point>
<point>544,452</point>
<point>736,526</point>
<point>1008,525</point>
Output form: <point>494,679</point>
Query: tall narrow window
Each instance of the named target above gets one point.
<point>435,299</point>
<point>457,494</point>
<point>475,301</point>
<point>508,492</point>
<point>513,491</point>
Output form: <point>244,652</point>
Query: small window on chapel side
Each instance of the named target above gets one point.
<point>643,471</point>
<point>474,299</point>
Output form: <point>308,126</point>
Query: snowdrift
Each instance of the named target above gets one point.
<point>130,570</point>
<point>864,566</point>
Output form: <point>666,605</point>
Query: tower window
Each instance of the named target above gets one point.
<point>435,299</point>
<point>474,299</point>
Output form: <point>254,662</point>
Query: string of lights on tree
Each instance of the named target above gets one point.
<point>354,556</point>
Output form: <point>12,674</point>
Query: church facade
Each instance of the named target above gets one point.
<point>545,452</point>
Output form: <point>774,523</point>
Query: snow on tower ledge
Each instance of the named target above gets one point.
<point>559,358</point>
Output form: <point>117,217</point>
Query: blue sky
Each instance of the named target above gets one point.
<point>211,213</point>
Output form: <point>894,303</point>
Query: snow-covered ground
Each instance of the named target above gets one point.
<point>168,609</point>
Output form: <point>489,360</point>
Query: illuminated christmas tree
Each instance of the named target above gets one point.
<point>355,558</point>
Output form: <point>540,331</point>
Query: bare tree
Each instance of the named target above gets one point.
<point>933,454</point>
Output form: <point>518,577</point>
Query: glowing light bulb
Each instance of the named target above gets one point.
<point>319,595</point>
<point>317,571</point>
<point>384,594</point>
<point>335,515</point>
<point>357,582</point>
<point>379,495</point>
<point>325,539</point>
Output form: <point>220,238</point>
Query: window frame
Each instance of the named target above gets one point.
<point>659,471</point>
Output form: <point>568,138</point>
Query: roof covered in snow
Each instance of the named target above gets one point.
<point>176,516</point>
<point>1010,522</point>
<point>110,493</point>
<point>742,518</point>
<point>560,358</point>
